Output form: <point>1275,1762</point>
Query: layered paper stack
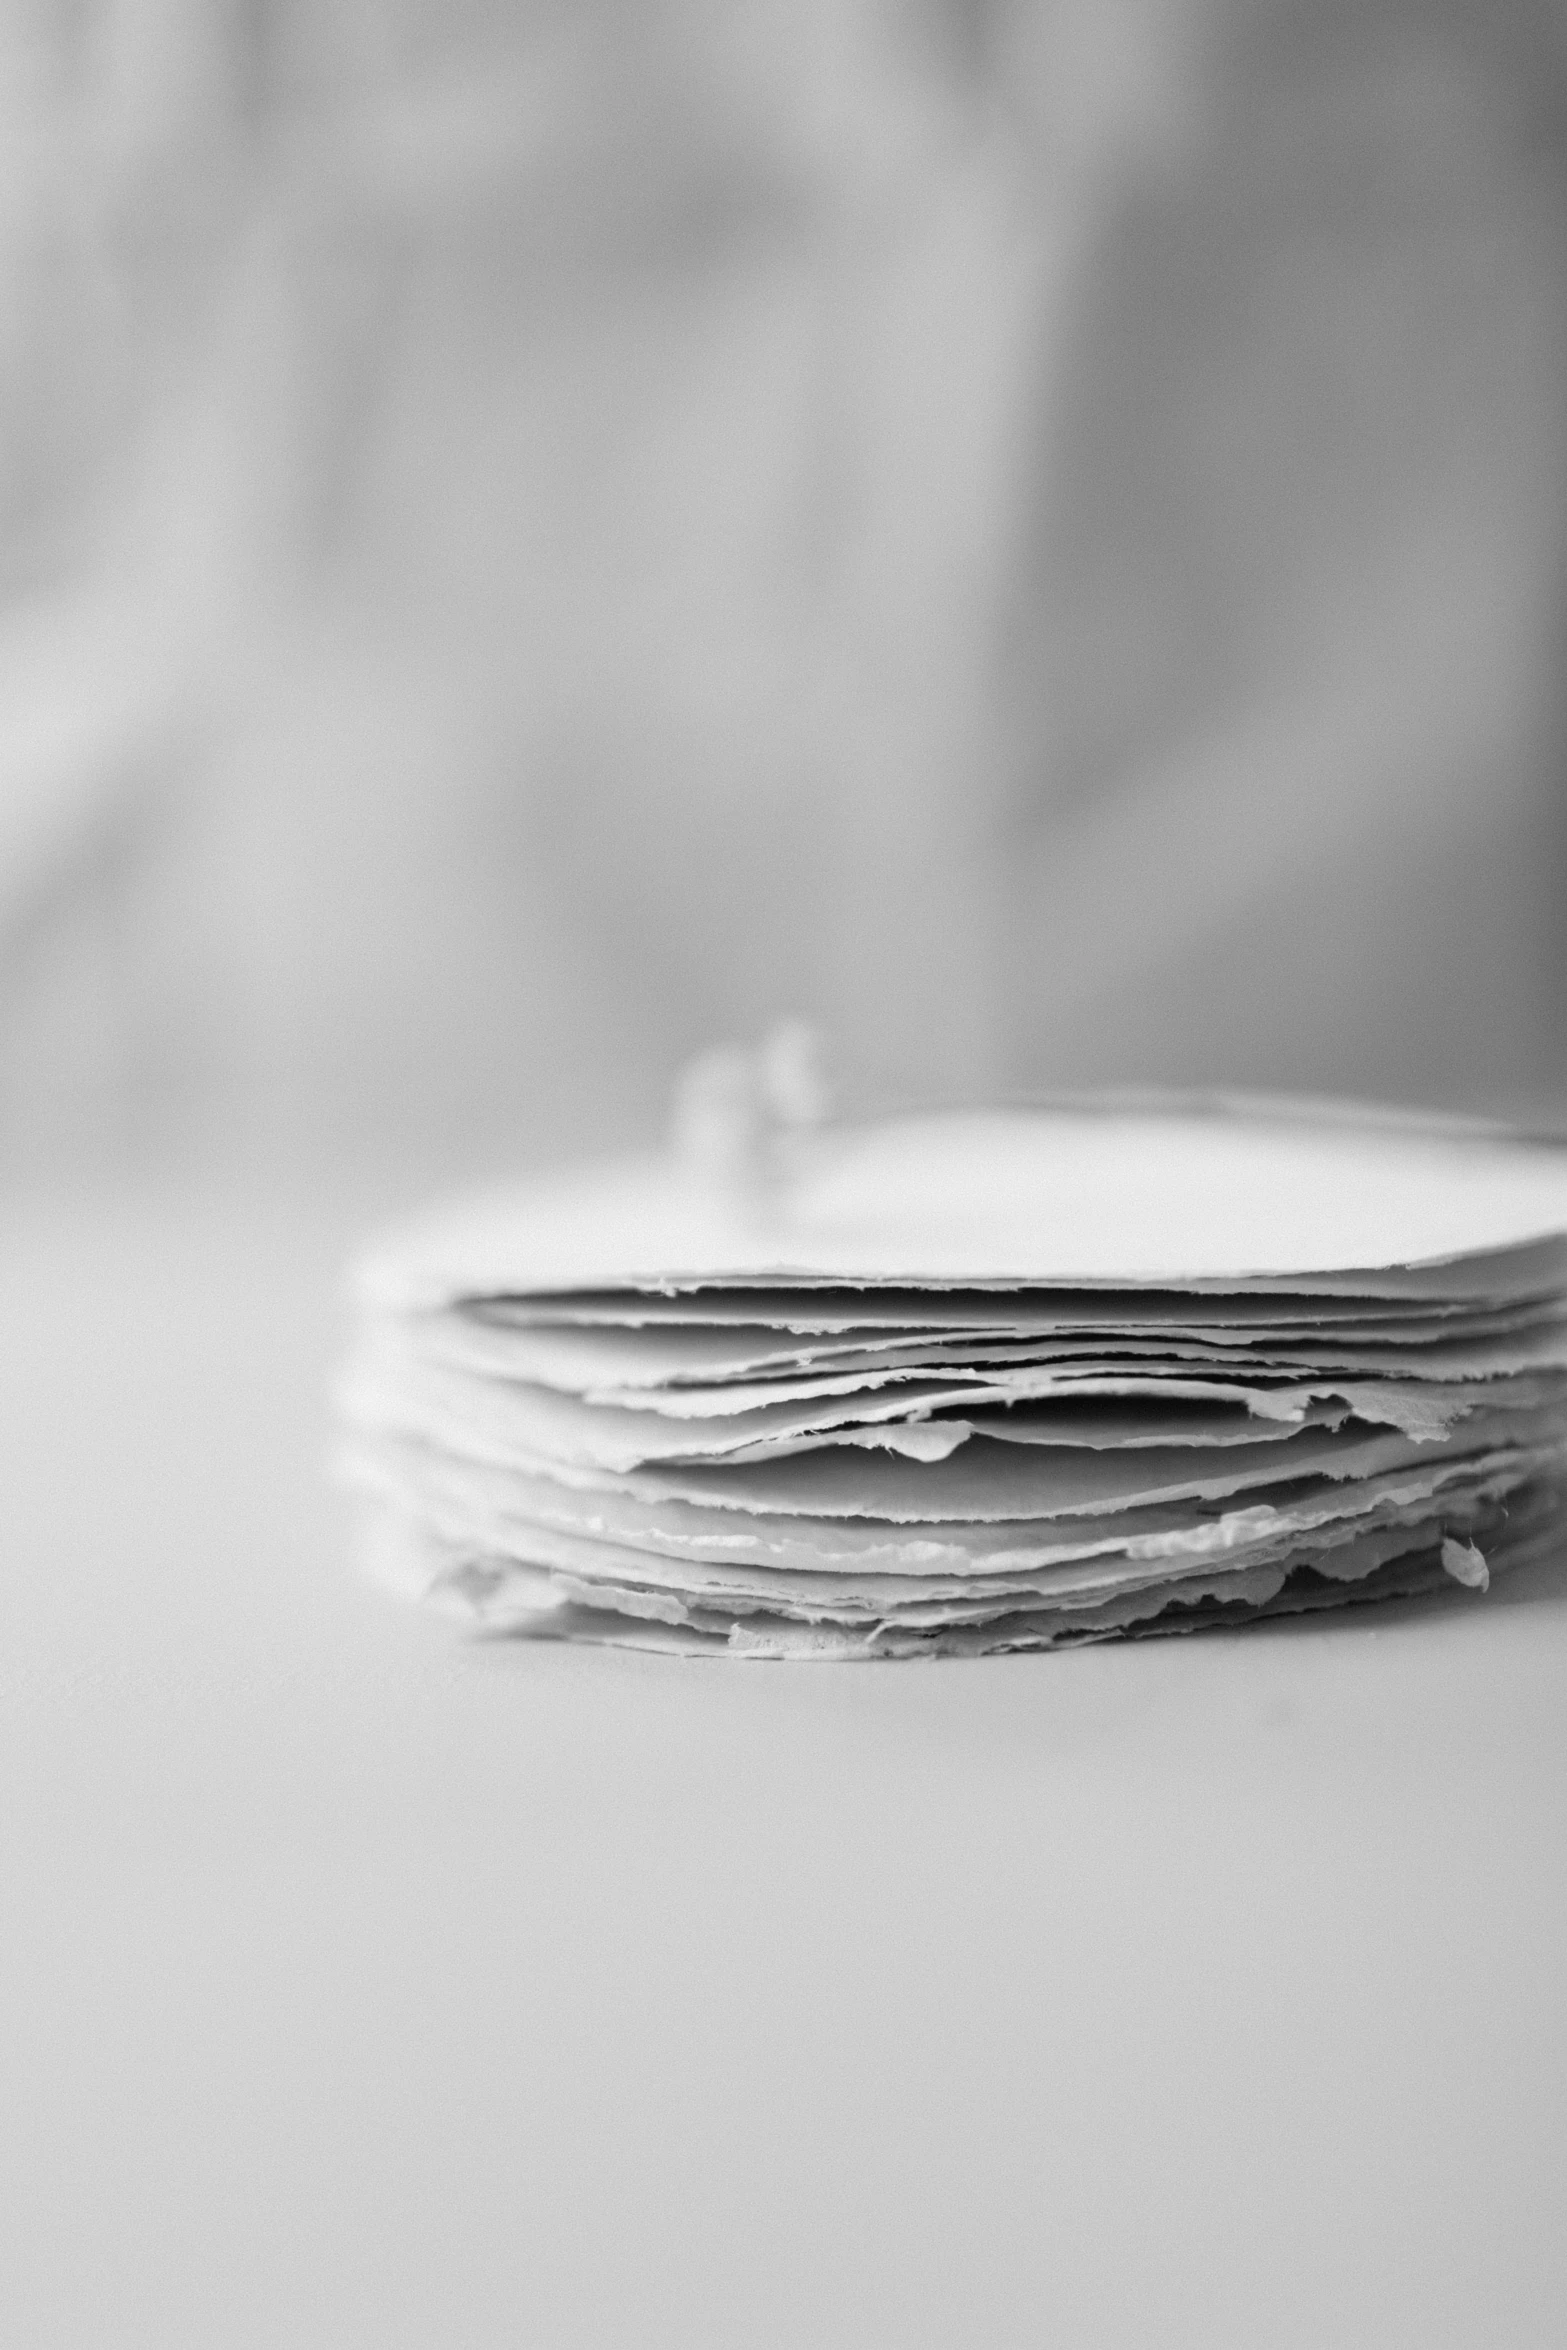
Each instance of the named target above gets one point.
<point>975,1383</point>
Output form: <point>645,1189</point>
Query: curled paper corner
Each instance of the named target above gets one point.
<point>1466,1564</point>
<point>740,1114</point>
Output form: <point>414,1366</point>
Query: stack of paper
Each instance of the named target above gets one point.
<point>975,1383</point>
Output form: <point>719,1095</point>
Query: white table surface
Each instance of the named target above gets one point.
<point>364,1986</point>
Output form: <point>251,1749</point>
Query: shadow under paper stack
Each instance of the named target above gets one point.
<point>975,1383</point>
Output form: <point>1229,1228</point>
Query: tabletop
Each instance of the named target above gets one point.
<point>366,1984</point>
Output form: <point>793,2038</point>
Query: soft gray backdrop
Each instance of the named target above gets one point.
<point>531,536</point>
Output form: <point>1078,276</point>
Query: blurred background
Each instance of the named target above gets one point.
<point>534,536</point>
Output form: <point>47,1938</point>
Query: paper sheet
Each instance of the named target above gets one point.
<point>974,1384</point>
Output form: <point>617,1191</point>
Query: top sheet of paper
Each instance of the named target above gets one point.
<point>1326,1203</point>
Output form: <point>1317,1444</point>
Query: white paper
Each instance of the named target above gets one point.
<point>1051,1197</point>
<point>974,1384</point>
